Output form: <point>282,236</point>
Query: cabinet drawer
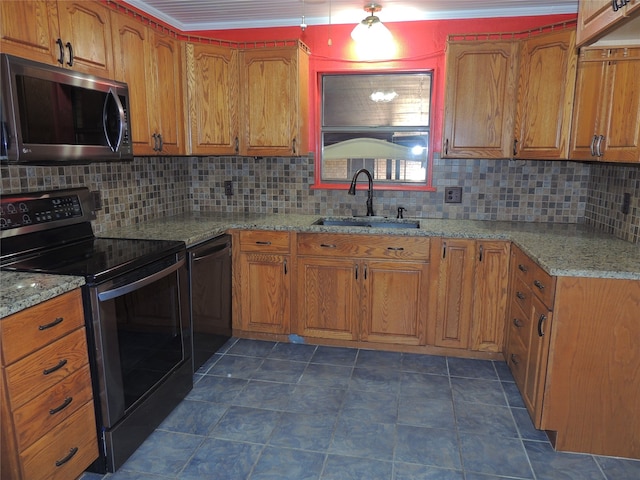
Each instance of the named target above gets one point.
<point>52,407</point>
<point>45,459</point>
<point>517,361</point>
<point>521,295</point>
<point>26,331</point>
<point>264,241</point>
<point>540,282</point>
<point>368,246</point>
<point>519,323</point>
<point>41,370</point>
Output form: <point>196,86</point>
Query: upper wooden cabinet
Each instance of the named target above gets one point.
<point>69,34</point>
<point>545,96</point>
<point>274,86</point>
<point>212,99</point>
<point>606,115</point>
<point>480,99</point>
<point>597,18</point>
<point>149,62</point>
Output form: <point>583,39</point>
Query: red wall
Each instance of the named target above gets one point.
<point>420,46</point>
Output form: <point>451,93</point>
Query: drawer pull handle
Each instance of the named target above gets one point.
<point>542,318</point>
<point>395,249</point>
<point>259,242</point>
<point>52,324</point>
<point>522,268</point>
<point>521,295</point>
<point>60,364</point>
<point>538,284</point>
<point>517,322</point>
<point>514,359</point>
<point>285,266</point>
<point>64,405</point>
<point>327,245</point>
<point>69,456</point>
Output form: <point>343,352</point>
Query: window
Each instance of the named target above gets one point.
<point>379,122</point>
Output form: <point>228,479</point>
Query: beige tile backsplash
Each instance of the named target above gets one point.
<point>531,191</point>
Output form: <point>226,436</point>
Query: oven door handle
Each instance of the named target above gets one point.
<point>130,287</point>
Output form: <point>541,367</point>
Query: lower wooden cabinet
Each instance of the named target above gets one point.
<point>262,282</point>
<point>471,295</point>
<point>47,418</point>
<point>362,287</point>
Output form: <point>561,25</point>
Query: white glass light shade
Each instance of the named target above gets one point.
<point>371,29</point>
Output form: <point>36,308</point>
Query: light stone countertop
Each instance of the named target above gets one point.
<point>22,290</point>
<point>573,250</point>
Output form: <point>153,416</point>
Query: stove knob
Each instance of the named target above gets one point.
<point>26,219</point>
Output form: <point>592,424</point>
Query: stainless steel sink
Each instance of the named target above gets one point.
<point>368,222</point>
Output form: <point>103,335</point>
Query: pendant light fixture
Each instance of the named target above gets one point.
<point>371,29</point>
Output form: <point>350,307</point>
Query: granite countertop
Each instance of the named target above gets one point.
<point>560,249</point>
<point>22,290</point>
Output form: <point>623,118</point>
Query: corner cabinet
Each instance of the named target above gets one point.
<point>480,125</point>
<point>274,86</point>
<point>47,419</point>
<point>68,34</point>
<point>570,349</point>
<point>365,288</point>
<point>606,115</point>
<point>471,295</point>
<point>262,283</point>
<point>545,96</point>
<point>149,62</point>
<point>599,17</point>
<point>212,99</point>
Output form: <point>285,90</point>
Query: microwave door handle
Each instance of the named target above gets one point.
<point>105,119</point>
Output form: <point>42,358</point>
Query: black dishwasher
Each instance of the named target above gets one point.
<point>210,286</point>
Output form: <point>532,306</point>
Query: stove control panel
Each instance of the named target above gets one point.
<point>40,210</point>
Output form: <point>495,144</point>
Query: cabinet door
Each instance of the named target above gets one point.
<point>168,102</point>
<point>480,125</point>
<point>621,123</point>
<point>132,47</point>
<point>455,293</point>
<point>490,296</point>
<point>271,95</point>
<point>328,298</point>
<point>545,98</point>
<point>30,29</point>
<point>394,302</point>
<point>85,25</point>
<point>264,289</point>
<point>594,17</point>
<point>212,92</point>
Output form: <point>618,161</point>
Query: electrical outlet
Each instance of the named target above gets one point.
<point>228,188</point>
<point>626,203</point>
<point>453,195</point>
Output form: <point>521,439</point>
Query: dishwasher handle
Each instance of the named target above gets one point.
<point>201,255</point>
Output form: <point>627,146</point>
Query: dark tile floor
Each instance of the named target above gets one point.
<point>280,411</point>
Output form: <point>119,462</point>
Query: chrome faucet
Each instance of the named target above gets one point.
<point>352,189</point>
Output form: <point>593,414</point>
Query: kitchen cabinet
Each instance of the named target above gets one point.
<point>150,63</point>
<point>48,423</point>
<point>262,283</point>
<point>69,34</point>
<point>480,125</point>
<point>528,329</point>
<point>545,96</point>
<point>471,295</point>
<point>274,86</point>
<point>212,99</point>
<point>597,18</point>
<point>606,115</point>
<point>365,288</point>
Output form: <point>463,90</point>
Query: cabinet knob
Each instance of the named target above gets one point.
<point>538,284</point>
<point>517,322</point>
<point>522,268</point>
<point>514,359</point>
<point>521,295</point>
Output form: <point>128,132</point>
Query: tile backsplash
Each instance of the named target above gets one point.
<point>531,191</point>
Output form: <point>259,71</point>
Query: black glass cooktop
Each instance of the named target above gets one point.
<point>96,259</point>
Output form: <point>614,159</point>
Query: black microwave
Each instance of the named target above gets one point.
<point>53,115</point>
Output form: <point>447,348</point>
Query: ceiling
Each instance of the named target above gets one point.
<point>189,15</point>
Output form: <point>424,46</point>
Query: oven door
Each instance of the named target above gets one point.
<point>140,324</point>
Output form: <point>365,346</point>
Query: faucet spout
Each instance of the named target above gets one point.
<point>352,189</point>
